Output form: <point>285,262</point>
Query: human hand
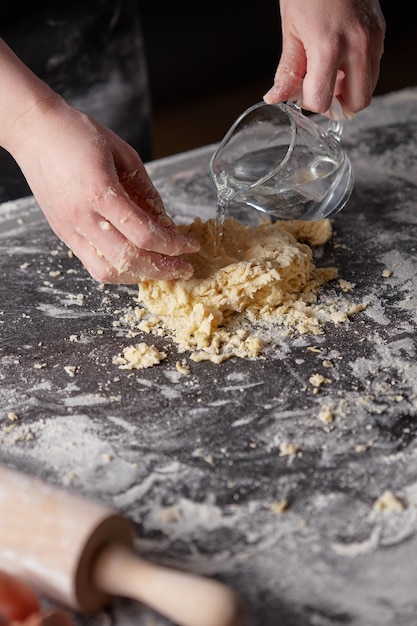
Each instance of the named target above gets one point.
<point>97,196</point>
<point>329,48</point>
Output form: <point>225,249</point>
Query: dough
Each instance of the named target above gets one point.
<point>389,502</point>
<point>139,356</point>
<point>262,274</point>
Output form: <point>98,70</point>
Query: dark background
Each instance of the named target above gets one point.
<point>208,61</point>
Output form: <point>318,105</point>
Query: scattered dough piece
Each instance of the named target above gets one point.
<point>105,225</point>
<point>345,285</point>
<point>139,356</point>
<point>279,506</point>
<point>389,502</point>
<point>182,367</point>
<point>326,415</point>
<point>317,380</point>
<point>288,449</point>
<point>169,515</point>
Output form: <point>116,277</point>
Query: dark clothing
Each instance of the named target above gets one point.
<point>90,52</point>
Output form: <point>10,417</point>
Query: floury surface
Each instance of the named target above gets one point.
<point>200,462</point>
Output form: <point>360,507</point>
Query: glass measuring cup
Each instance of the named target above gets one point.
<point>279,161</point>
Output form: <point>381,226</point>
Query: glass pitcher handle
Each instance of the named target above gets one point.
<point>336,114</point>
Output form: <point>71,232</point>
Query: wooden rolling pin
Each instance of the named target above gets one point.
<point>80,553</point>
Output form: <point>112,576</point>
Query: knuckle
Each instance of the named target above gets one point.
<point>105,274</point>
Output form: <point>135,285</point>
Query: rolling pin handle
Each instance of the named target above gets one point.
<point>187,599</point>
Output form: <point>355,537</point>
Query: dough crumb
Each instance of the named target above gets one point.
<point>279,506</point>
<point>13,417</point>
<point>182,367</point>
<point>169,515</point>
<point>388,502</point>
<point>326,415</point>
<point>71,370</point>
<point>317,380</point>
<point>288,449</point>
<point>345,285</point>
<point>313,349</point>
<point>140,356</point>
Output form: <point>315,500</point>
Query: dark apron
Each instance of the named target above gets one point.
<point>91,52</point>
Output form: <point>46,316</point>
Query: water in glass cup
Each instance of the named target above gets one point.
<point>278,161</point>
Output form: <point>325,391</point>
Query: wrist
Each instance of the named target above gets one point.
<point>24,99</point>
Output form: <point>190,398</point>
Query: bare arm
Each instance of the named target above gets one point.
<point>92,187</point>
<point>330,48</point>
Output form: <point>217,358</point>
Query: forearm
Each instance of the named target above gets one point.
<point>23,97</point>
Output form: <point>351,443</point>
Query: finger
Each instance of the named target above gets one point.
<point>147,266</point>
<point>138,185</point>
<point>376,42</point>
<point>110,258</point>
<point>360,71</point>
<point>138,228</point>
<point>134,206</point>
<point>142,192</point>
<point>137,225</point>
<point>319,81</point>
<point>130,179</point>
<point>290,73</point>
<point>356,87</point>
<point>377,50</point>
